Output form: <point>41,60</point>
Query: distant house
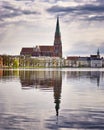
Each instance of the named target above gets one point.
<point>50,51</point>
<point>102,62</point>
<point>77,61</point>
<point>96,61</point>
<point>72,61</point>
<point>1,62</point>
<point>92,61</point>
<point>84,61</point>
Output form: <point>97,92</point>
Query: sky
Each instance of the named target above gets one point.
<point>27,23</point>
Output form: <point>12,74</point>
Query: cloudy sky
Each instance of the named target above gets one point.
<point>27,23</point>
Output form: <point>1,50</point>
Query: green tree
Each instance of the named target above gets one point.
<point>15,63</point>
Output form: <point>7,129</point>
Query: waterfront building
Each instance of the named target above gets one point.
<point>102,62</point>
<point>92,61</point>
<point>48,51</point>
<point>72,61</point>
<point>77,61</point>
<point>1,62</point>
<point>96,61</point>
<point>42,61</point>
<point>83,62</point>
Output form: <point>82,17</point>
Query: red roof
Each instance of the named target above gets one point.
<point>26,51</point>
<point>42,51</point>
<point>46,48</point>
<point>72,58</point>
<point>93,56</point>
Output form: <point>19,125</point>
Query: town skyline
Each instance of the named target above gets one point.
<point>30,23</point>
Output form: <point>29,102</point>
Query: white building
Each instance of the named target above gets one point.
<point>83,61</point>
<point>96,61</point>
<point>44,61</point>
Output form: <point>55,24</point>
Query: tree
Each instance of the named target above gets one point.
<point>15,63</point>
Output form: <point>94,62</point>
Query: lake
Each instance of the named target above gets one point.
<point>52,99</point>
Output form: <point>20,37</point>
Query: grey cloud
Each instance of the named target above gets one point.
<point>81,12</point>
<point>97,18</point>
<point>89,8</point>
<point>25,0</point>
<point>89,1</point>
<point>9,11</point>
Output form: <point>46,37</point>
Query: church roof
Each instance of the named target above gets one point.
<point>46,48</point>
<point>42,50</point>
<point>26,50</point>
<point>72,58</point>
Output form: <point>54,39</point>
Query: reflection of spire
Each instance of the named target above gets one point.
<point>57,102</point>
<point>95,75</point>
<point>57,92</point>
<point>98,79</point>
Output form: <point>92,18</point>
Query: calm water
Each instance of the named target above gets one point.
<point>52,99</point>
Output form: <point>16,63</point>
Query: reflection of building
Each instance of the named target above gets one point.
<point>43,80</point>
<point>57,93</point>
<point>95,76</point>
<point>9,74</point>
<point>1,73</point>
<point>92,75</point>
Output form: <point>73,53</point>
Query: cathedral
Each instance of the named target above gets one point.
<point>47,51</point>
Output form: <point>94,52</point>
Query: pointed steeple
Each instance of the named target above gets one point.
<point>57,27</point>
<point>57,40</point>
<point>98,53</point>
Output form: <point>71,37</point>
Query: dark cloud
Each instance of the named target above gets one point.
<point>85,8</point>
<point>97,18</point>
<point>80,12</point>
<point>10,11</point>
<point>25,0</point>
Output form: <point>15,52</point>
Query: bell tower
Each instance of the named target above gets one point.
<point>98,53</point>
<point>57,41</point>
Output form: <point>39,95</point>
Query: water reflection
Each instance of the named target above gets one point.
<point>8,75</point>
<point>75,91</point>
<point>44,80</point>
<point>48,79</point>
<point>94,76</point>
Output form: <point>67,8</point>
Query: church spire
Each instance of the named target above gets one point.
<point>57,40</point>
<point>98,53</point>
<point>57,27</point>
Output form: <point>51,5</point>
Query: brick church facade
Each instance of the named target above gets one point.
<point>50,51</point>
